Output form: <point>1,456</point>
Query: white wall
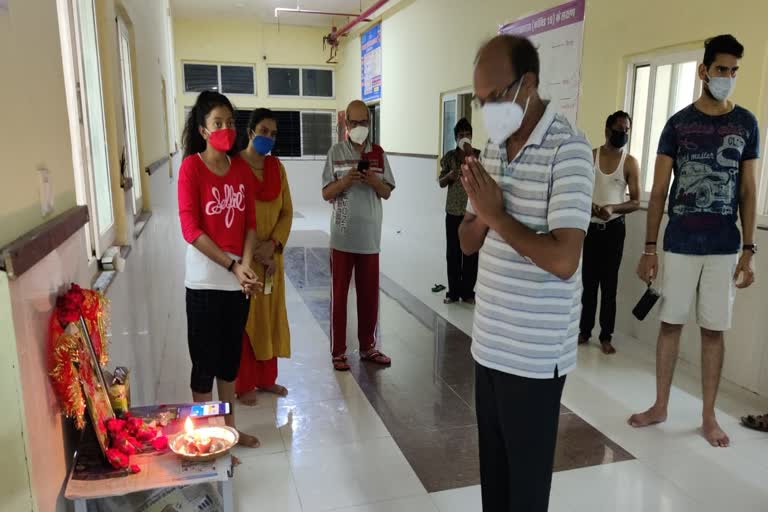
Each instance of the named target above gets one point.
<point>746,359</point>
<point>305,180</point>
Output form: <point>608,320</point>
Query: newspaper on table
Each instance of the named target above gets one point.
<point>194,498</point>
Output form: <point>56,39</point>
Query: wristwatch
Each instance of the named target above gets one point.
<point>750,247</point>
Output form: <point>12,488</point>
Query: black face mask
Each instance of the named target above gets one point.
<point>618,139</point>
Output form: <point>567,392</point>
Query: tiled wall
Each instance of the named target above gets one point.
<point>46,436</point>
<point>141,303</point>
<point>142,300</point>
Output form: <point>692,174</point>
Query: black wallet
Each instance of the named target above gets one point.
<point>646,303</point>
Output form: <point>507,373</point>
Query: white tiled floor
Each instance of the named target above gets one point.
<point>325,448</point>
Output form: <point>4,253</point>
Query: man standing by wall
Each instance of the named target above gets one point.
<point>615,171</point>
<point>356,178</point>
<point>712,147</point>
<point>530,205</point>
<point>462,269</point>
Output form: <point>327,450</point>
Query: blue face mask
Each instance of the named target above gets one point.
<point>263,145</point>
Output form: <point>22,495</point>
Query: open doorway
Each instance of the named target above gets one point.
<point>455,106</point>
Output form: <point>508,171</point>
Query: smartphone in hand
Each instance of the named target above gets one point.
<point>363,166</point>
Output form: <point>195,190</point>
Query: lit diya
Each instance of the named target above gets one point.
<point>204,443</point>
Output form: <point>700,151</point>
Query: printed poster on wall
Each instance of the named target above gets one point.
<point>558,34</point>
<point>370,45</point>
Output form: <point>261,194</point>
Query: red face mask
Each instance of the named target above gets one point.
<point>222,140</point>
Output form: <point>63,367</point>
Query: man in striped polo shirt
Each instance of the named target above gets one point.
<point>530,206</point>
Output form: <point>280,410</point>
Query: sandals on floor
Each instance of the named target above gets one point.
<point>438,288</point>
<point>756,422</point>
<point>340,364</point>
<point>376,357</point>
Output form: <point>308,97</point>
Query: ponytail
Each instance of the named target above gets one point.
<point>192,141</point>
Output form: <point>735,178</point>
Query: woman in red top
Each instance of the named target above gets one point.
<point>216,209</point>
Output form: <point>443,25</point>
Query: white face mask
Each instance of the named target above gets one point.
<point>358,134</point>
<point>721,86</point>
<point>463,142</point>
<point>503,119</point>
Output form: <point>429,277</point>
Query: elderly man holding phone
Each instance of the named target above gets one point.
<point>356,178</point>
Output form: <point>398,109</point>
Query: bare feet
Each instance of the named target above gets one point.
<point>714,434</point>
<point>652,416</point>
<point>249,398</point>
<point>277,389</point>
<point>607,348</point>
<point>248,441</point>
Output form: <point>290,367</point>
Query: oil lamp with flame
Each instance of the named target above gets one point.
<point>195,441</point>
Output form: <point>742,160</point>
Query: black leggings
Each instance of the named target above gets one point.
<point>215,324</point>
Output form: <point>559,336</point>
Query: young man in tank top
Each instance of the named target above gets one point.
<point>615,171</point>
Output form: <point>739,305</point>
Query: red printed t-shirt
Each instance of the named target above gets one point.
<point>221,207</point>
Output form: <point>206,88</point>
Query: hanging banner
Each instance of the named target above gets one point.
<point>558,35</point>
<point>370,45</point>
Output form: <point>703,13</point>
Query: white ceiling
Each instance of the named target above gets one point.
<point>265,10</point>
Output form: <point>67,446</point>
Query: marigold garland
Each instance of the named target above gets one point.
<point>65,343</point>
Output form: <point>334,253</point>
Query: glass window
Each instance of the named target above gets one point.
<point>129,116</point>
<point>201,77</point>
<point>288,142</point>
<point>317,82</point>
<point>316,133</point>
<point>237,80</point>
<point>659,89</point>
<point>449,121</point>
<point>97,134</point>
<point>283,81</point>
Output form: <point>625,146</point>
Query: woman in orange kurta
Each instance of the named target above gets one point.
<point>267,335</point>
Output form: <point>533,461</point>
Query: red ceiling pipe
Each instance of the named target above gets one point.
<point>309,11</point>
<point>333,37</point>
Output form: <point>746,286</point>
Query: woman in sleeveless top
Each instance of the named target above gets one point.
<point>615,171</point>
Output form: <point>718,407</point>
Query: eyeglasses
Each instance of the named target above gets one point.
<point>355,124</point>
<point>497,97</point>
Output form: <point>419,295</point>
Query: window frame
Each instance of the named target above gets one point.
<point>218,76</point>
<point>654,61</point>
<point>301,82</point>
<point>334,132</point>
<point>98,238</point>
<point>317,68</point>
<point>130,115</point>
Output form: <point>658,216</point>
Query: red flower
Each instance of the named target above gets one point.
<point>134,425</point>
<point>76,295</point>
<point>135,468</point>
<point>127,415</point>
<point>126,447</point>
<point>160,443</point>
<point>117,458</point>
<point>67,310</point>
<point>115,426</point>
<point>136,444</point>
<point>146,434</point>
